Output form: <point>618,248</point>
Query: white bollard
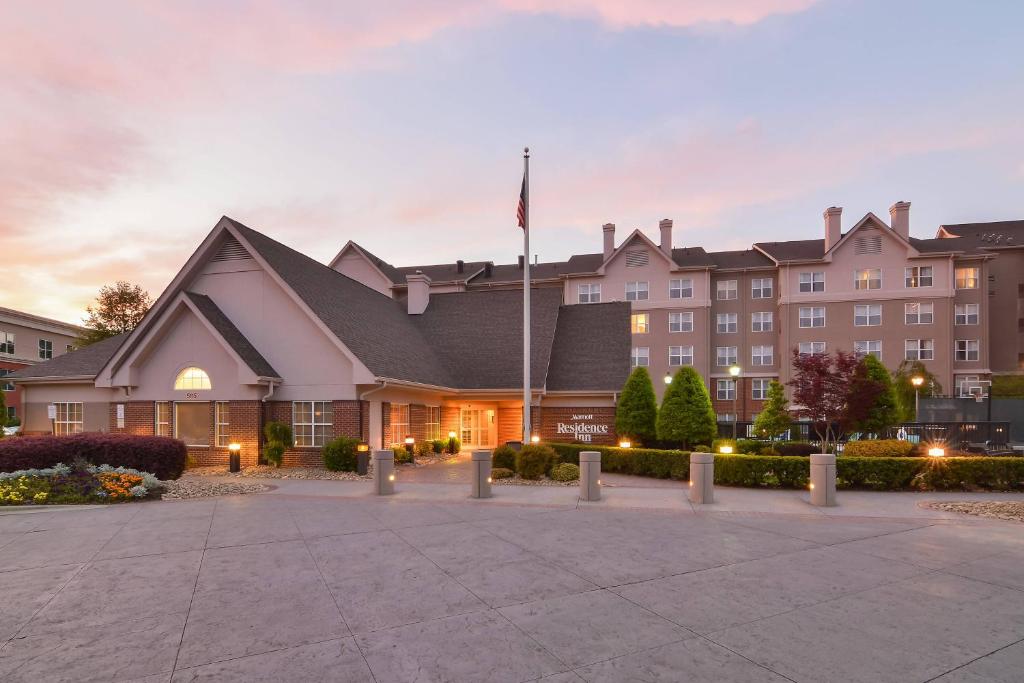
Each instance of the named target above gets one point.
<point>384,472</point>
<point>702,478</point>
<point>823,479</point>
<point>590,475</point>
<point>481,474</point>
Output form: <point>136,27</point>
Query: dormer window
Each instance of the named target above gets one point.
<point>192,379</point>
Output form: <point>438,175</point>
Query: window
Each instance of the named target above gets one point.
<point>918,276</point>
<point>812,316</point>
<point>726,323</point>
<point>680,355</point>
<point>45,349</point>
<point>640,323</point>
<point>920,349</point>
<point>725,417</point>
<point>919,314</point>
<point>192,379</point>
<point>725,356</point>
<point>680,322</point>
<point>726,289</point>
<point>589,294</point>
<point>967,278</point>
<point>967,349</point>
<point>641,357</point>
<point>761,322</point>
<point>966,314</point>
<point>726,389</point>
<point>192,423</point>
<point>867,278</point>
<point>312,421</point>
<point>7,343</point>
<point>866,348</point>
<point>162,411</point>
<point>433,425</point>
<point>69,418</point>
<point>761,288</point>
<point>680,289</point>
<point>636,291</point>
<point>400,427</point>
<point>811,348</point>
<point>762,355</point>
<point>4,385</point>
<point>812,282</point>
<point>222,423</point>
<point>759,388</point>
<point>12,413</point>
<point>867,315</point>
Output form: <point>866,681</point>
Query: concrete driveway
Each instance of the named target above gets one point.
<point>284,586</point>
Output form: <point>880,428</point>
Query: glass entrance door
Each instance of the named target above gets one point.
<point>477,427</point>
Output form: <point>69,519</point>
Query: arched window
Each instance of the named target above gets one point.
<point>191,379</point>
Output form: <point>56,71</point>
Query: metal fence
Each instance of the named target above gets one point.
<point>964,435</point>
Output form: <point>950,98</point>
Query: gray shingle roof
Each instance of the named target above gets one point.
<point>442,272</point>
<point>976,237</point>
<point>591,348</point>
<point>746,258</point>
<point>232,335</point>
<point>690,257</point>
<point>794,250</point>
<point>390,272</point>
<point>85,362</point>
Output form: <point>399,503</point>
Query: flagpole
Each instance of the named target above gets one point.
<point>527,431</point>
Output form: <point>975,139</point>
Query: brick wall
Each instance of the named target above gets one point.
<point>245,429</point>
<point>549,417</point>
<point>139,418</point>
<point>385,423</point>
<point>352,419</point>
<point>349,418</point>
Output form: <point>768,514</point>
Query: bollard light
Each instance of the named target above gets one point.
<point>234,457</point>
<point>810,487</point>
<point>936,452</point>
<point>362,459</point>
<point>451,435</point>
<point>363,447</point>
<point>725,449</point>
<point>391,477</point>
<point>625,444</point>
<point>535,439</point>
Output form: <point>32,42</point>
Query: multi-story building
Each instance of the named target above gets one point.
<point>27,339</point>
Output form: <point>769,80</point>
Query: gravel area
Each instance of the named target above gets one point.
<point>1009,510</point>
<point>195,487</point>
<point>268,472</point>
<point>516,480</point>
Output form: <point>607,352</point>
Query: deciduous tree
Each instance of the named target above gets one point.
<point>686,415</point>
<point>774,419</point>
<point>821,384</point>
<point>637,410</point>
<point>904,388</point>
<point>119,308</point>
<point>871,402</point>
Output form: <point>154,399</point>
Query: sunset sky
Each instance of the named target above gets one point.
<point>128,128</point>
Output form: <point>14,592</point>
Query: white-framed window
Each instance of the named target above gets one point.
<point>967,349</point>
<point>433,424</point>
<point>12,413</point>
<point>761,321</point>
<point>725,389</point>
<point>192,379</point>
<point>967,278</point>
<point>917,276</point>
<point>640,323</point>
<point>312,422</point>
<point>45,349</point>
<point>872,347</point>
<point>867,278</point>
<point>222,424</point>
<point>400,422</point>
<point>726,289</point>
<point>725,356</point>
<point>7,343</point>
<point>725,417</point>
<point>162,417</point>
<point>680,288</point>
<point>192,423</point>
<point>68,419</point>
<point>761,288</point>
<point>5,385</point>
<point>641,357</point>
<point>812,316</point>
<point>762,355</point>
<point>966,314</point>
<point>867,315</point>
<point>637,291</point>
<point>811,348</point>
<point>759,388</point>
<point>589,293</point>
<point>680,355</point>
<point>920,349</point>
<point>680,322</point>
<point>919,313</point>
<point>812,282</point>
<point>726,323</point>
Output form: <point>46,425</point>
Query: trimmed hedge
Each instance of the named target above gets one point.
<point>161,455</point>
<point>880,448</point>
<point>533,462</point>
<point>565,471</point>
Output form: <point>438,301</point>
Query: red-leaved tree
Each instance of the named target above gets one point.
<point>821,385</point>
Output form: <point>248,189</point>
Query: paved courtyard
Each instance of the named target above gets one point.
<point>299,585</point>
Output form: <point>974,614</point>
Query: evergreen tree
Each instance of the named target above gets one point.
<point>686,415</point>
<point>774,418</point>
<point>637,408</point>
<point>871,403</point>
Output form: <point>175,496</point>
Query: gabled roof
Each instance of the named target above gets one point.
<point>442,272</point>
<point>386,269</point>
<point>591,348</point>
<point>692,257</point>
<point>232,335</point>
<point>973,237</point>
<point>793,250</point>
<point>81,363</point>
<point>744,258</point>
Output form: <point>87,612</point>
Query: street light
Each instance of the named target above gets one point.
<point>917,381</point>
<point>734,372</point>
<point>668,378</point>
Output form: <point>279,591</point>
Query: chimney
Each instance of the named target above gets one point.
<point>899,219</point>
<point>833,226</point>
<point>666,236</point>
<point>609,239</point>
<point>488,269</point>
<point>419,292</point>
<point>520,262</point>
<point>460,266</point>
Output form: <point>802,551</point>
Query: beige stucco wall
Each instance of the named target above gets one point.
<point>95,408</point>
<point>26,340</point>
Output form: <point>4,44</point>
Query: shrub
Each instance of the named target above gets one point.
<point>701,448</point>
<point>163,456</point>
<point>453,445</point>
<point>880,448</point>
<point>402,456</point>
<point>504,457</point>
<point>686,415</point>
<point>645,462</point>
<point>637,409</point>
<point>774,418</point>
<point>801,448</point>
<point>533,462</point>
<point>565,471</point>
<point>501,473</point>
<point>437,446</point>
<point>751,446</point>
<point>424,448</point>
<point>277,439</point>
<point>340,454</point>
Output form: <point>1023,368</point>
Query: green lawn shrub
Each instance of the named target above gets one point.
<point>879,448</point>
<point>340,454</point>
<point>533,462</point>
<point>751,446</point>
<point>501,473</point>
<point>402,456</point>
<point>437,445</point>
<point>504,457</point>
<point>277,439</point>
<point>801,448</point>
<point>565,471</point>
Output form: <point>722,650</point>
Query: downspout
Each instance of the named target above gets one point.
<point>270,392</point>
<point>383,385</point>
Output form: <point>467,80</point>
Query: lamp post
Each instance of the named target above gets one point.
<point>917,381</point>
<point>668,378</point>
<point>734,372</point>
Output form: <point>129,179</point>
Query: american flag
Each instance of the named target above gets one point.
<point>521,210</point>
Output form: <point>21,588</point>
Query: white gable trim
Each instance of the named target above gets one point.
<point>871,219</point>
<point>636,234</point>
<point>352,246</point>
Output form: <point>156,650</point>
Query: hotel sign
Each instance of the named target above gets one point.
<point>583,427</point>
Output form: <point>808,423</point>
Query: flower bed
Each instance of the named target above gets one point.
<point>64,484</point>
<point>161,455</point>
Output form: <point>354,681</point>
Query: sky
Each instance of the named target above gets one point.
<point>128,128</point>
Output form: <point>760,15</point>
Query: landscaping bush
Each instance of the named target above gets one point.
<point>880,448</point>
<point>533,462</point>
<point>501,473</point>
<point>504,457</point>
<point>277,439</point>
<point>701,448</point>
<point>644,462</point>
<point>751,446</point>
<point>402,456</point>
<point>801,448</point>
<point>424,448</point>
<point>438,446</point>
<point>565,471</point>
<point>77,483</point>
<point>453,445</point>
<point>340,454</point>
<point>163,456</point>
